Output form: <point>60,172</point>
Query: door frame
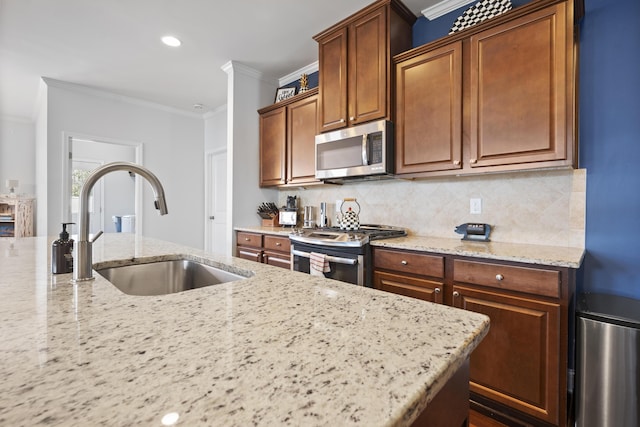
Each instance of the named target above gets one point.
<point>67,145</point>
<point>208,171</point>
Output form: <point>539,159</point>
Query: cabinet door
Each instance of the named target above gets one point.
<point>333,80</point>
<point>429,111</point>
<point>368,67</point>
<point>519,83</point>
<point>301,136</point>
<point>273,128</point>
<point>518,362</point>
<point>428,290</point>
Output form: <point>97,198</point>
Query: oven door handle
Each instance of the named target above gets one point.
<point>349,261</point>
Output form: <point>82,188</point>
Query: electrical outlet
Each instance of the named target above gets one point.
<point>475,206</point>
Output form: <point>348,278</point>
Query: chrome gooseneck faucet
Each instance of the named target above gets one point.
<point>82,269</point>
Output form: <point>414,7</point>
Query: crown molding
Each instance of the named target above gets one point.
<point>444,7</point>
<point>116,97</point>
<point>309,69</point>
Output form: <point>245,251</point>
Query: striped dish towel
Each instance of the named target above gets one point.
<point>318,264</point>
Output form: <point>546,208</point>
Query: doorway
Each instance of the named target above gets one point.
<point>114,195</point>
<point>80,170</point>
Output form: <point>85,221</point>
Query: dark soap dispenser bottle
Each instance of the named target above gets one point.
<point>62,252</point>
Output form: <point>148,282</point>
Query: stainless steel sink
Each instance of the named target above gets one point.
<point>165,277</point>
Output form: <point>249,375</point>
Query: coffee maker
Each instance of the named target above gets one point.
<point>289,213</point>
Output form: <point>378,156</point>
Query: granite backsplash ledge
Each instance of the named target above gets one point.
<point>539,207</point>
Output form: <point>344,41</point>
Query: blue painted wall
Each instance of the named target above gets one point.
<point>610,144</point>
<point>609,127</point>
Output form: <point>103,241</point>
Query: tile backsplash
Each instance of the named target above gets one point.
<point>539,207</point>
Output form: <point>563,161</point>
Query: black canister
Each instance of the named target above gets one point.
<point>62,252</point>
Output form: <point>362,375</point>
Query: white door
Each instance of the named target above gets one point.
<point>217,207</point>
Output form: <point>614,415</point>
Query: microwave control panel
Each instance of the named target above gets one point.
<point>375,150</point>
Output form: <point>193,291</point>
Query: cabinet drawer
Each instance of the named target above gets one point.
<point>409,262</point>
<point>520,279</point>
<point>253,240</point>
<point>277,258</point>
<point>423,289</point>
<point>249,253</point>
<point>277,243</point>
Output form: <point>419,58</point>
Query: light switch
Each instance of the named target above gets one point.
<point>475,206</point>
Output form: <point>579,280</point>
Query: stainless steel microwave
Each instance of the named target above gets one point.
<point>359,151</point>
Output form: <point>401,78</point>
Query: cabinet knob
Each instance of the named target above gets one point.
<point>246,239</point>
<point>341,120</point>
<point>403,262</point>
<point>473,161</point>
<point>352,118</point>
<point>436,290</point>
<point>456,294</point>
<point>456,162</point>
<point>278,244</point>
<point>499,277</point>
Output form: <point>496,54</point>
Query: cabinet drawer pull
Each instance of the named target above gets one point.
<point>341,120</point>
<point>246,239</point>
<point>403,262</point>
<point>352,118</point>
<point>456,162</point>
<point>499,277</point>
<point>473,161</point>
<point>456,294</point>
<point>436,290</point>
<point>278,244</point>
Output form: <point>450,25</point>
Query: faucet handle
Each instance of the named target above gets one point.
<point>98,234</point>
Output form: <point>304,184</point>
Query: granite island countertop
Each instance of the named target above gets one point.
<point>279,348</point>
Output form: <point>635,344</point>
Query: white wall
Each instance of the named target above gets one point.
<point>17,154</point>
<point>172,143</point>
<point>215,130</point>
<point>41,162</point>
<point>248,91</point>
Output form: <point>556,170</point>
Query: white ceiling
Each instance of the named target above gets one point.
<point>114,45</point>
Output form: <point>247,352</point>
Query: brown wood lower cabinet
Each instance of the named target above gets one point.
<point>519,371</point>
<point>409,273</point>
<point>264,248</point>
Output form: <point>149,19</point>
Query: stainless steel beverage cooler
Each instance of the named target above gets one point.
<point>608,376</point>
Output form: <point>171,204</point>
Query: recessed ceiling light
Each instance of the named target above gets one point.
<point>171,41</point>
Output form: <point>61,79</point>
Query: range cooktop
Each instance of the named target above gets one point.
<point>334,236</point>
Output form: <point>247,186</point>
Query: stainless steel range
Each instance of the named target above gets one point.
<point>348,253</point>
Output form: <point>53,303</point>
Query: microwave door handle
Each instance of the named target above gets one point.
<point>365,157</point>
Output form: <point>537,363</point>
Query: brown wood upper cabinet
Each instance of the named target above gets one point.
<point>429,111</point>
<point>287,141</point>
<point>503,92</point>
<point>355,71</point>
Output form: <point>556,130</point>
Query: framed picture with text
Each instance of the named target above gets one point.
<point>285,93</point>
